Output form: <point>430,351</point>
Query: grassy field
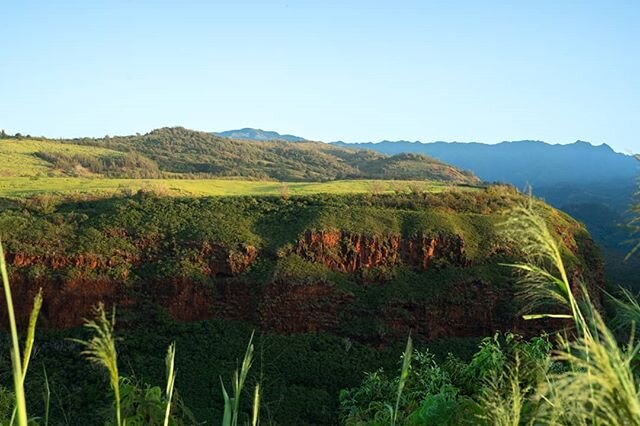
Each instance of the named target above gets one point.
<point>16,187</point>
<point>23,174</point>
<point>17,157</point>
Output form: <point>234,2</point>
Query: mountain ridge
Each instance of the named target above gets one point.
<point>250,133</point>
<point>521,163</point>
<point>176,150</point>
<point>577,143</point>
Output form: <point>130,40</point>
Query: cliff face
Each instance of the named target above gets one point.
<point>374,287</point>
<point>60,261</point>
<point>470,307</point>
<point>349,252</point>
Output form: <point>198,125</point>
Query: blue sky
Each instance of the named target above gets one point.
<point>357,71</point>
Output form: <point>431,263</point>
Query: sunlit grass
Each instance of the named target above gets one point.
<point>100,350</point>
<point>17,187</point>
<point>18,156</point>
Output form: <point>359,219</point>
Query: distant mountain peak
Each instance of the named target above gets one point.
<point>252,134</point>
<point>585,144</point>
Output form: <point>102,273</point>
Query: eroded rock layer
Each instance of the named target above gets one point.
<point>430,266</point>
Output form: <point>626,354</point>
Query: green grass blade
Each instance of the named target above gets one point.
<point>31,332</point>
<point>21,404</point>
<point>47,396</point>
<point>171,380</point>
<point>232,405</point>
<point>404,375</point>
<point>540,316</point>
<point>101,350</point>
<point>28,347</point>
<point>256,406</point>
<point>226,418</point>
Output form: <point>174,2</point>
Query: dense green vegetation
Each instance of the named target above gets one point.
<point>584,378</point>
<point>145,226</point>
<point>144,240</point>
<point>447,391</point>
<point>130,165</point>
<point>178,152</point>
<point>301,375</point>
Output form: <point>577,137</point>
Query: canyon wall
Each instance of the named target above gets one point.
<point>469,304</point>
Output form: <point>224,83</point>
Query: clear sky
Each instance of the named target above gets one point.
<point>485,71</point>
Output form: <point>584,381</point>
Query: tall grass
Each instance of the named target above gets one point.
<point>100,350</point>
<point>19,366</point>
<point>627,310</point>
<point>30,339</point>
<point>170,361</point>
<point>544,278</point>
<point>232,403</point>
<point>597,385</point>
<point>404,375</point>
<point>47,397</point>
<point>504,397</point>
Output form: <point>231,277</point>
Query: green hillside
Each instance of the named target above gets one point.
<point>27,157</point>
<point>177,151</point>
<point>332,284</point>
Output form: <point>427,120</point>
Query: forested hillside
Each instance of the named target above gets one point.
<point>171,151</point>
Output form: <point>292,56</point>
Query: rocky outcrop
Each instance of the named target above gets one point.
<point>350,252</point>
<point>221,260</point>
<point>228,262</point>
<point>186,300</point>
<point>69,297</point>
<point>60,261</point>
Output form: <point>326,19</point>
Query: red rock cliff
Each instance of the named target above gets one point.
<point>472,306</point>
<point>350,252</point>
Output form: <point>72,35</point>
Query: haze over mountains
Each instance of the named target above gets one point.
<point>563,174</point>
<point>522,162</point>
<point>519,163</point>
<point>593,183</point>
